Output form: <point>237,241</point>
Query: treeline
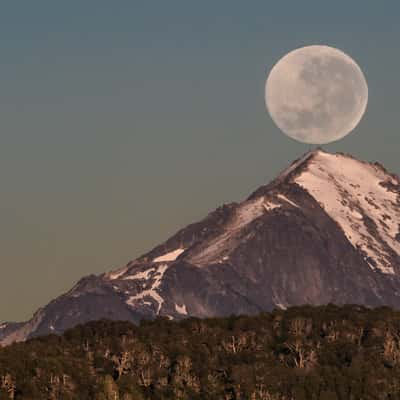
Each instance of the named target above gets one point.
<point>310,353</point>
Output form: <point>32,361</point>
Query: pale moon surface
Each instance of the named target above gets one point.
<point>316,94</point>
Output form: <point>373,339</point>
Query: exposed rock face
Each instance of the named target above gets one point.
<point>326,230</point>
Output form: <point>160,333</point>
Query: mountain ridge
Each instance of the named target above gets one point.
<point>326,229</point>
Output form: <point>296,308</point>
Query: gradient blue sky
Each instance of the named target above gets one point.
<point>121,122</point>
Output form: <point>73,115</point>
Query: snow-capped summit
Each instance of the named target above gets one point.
<point>326,230</point>
<point>363,199</point>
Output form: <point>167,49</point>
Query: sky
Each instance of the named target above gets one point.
<point>122,122</point>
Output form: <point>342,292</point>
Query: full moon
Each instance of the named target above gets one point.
<point>316,94</point>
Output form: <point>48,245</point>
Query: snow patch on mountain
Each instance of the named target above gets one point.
<point>269,205</point>
<point>118,273</point>
<point>153,291</point>
<point>181,309</point>
<point>23,332</point>
<point>140,275</point>
<point>247,212</point>
<point>353,194</point>
<point>296,164</point>
<point>284,198</point>
<point>215,248</point>
<point>171,256</point>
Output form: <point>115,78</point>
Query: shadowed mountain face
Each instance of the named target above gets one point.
<point>326,230</point>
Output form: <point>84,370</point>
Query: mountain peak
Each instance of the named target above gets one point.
<point>292,170</point>
<point>363,199</point>
<point>326,230</point>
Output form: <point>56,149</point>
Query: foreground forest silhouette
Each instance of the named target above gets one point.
<point>326,352</point>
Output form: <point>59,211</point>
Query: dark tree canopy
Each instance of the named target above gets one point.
<point>321,353</point>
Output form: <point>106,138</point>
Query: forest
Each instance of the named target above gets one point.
<point>314,353</point>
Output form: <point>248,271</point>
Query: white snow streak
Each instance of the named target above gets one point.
<point>171,256</point>
<point>215,248</point>
<point>347,189</point>
<point>181,309</point>
<point>140,275</point>
<point>287,171</point>
<point>247,212</point>
<point>269,205</point>
<point>117,274</point>
<point>152,292</point>
<point>284,198</point>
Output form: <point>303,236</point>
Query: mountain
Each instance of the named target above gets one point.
<point>326,230</point>
<point>303,353</point>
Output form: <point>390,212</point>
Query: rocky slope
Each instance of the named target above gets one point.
<point>326,230</point>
